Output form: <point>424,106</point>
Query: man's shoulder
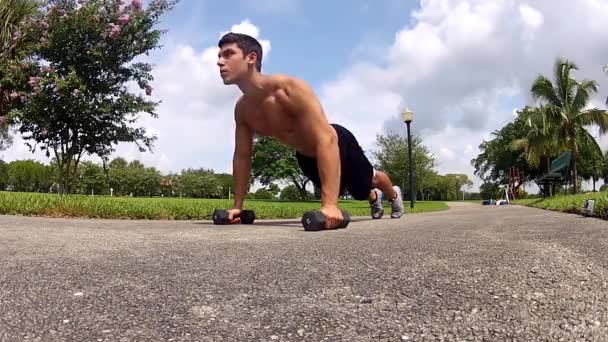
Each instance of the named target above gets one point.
<point>239,108</point>
<point>283,81</point>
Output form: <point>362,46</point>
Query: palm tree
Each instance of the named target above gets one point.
<point>605,68</point>
<point>540,142</point>
<point>564,106</point>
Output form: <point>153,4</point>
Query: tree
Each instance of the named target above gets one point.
<point>275,161</point>
<point>91,179</point>
<point>77,100</point>
<point>458,180</point>
<point>489,190</point>
<point>274,189</point>
<point>564,103</point>
<point>29,176</point>
<point>592,160</point>
<point>392,157</point>
<point>290,193</point>
<point>539,142</point>
<point>117,176</point>
<point>12,15</point>
<point>226,182</point>
<point>3,175</point>
<point>198,184</point>
<point>497,155</point>
<point>13,47</point>
<point>605,68</point>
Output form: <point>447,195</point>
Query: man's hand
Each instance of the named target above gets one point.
<point>232,215</point>
<point>333,216</point>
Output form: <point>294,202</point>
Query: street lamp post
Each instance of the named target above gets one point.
<point>408,117</point>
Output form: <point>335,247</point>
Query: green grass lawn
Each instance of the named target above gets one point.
<point>570,203</point>
<point>35,204</point>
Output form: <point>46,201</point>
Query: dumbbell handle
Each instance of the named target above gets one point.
<point>315,220</point>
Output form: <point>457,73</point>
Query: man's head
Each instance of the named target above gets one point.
<point>238,55</point>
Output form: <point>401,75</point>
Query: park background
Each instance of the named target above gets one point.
<point>465,68</point>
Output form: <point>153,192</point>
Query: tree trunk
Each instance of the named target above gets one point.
<point>594,180</point>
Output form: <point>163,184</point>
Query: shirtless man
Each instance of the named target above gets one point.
<point>287,109</point>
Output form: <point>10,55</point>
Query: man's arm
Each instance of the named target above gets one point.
<point>241,160</point>
<point>313,124</point>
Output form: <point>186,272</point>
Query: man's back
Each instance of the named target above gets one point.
<point>287,109</point>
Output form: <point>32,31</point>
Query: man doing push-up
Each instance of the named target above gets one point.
<point>287,109</point>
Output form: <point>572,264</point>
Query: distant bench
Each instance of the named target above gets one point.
<point>559,172</point>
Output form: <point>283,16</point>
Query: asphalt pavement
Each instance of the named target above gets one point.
<point>472,273</point>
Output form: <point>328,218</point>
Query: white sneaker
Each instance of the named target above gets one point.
<point>397,204</point>
<point>376,206</point>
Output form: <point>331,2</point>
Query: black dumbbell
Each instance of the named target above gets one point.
<point>315,220</point>
<point>220,216</point>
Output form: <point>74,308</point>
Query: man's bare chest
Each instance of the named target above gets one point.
<point>270,118</point>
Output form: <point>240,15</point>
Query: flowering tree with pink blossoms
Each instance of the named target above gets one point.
<point>81,95</point>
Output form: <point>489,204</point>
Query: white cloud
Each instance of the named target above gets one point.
<point>462,66</point>
<point>531,17</point>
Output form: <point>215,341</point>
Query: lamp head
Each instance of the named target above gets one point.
<point>408,116</point>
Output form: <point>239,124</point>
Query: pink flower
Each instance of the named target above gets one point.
<point>16,35</point>
<point>33,82</point>
<point>148,90</point>
<point>136,4</point>
<point>44,25</point>
<point>14,95</point>
<point>123,19</point>
<point>114,30</point>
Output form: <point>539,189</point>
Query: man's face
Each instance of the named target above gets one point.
<point>232,64</point>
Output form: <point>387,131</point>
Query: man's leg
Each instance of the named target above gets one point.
<point>382,182</point>
<point>362,180</point>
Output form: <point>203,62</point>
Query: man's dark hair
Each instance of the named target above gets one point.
<point>246,43</point>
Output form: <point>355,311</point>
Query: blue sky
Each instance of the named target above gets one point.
<point>462,66</point>
<point>311,39</point>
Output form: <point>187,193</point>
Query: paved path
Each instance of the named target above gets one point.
<point>470,273</point>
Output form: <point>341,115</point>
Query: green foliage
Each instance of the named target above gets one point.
<point>166,208</point>
<point>290,193</point>
<point>226,183</point>
<point>29,175</point>
<point>571,203</point>
<point>14,45</point>
<point>13,13</point>
<point>91,179</point>
<point>261,194</point>
<point>198,184</point>
<point>274,161</point>
<point>497,155</point>
<point>489,190</point>
<point>591,159</point>
<point>77,101</point>
<point>3,175</point>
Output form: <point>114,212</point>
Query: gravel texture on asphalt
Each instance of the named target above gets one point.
<point>472,273</point>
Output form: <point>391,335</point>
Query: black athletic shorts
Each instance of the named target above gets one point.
<point>356,170</point>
